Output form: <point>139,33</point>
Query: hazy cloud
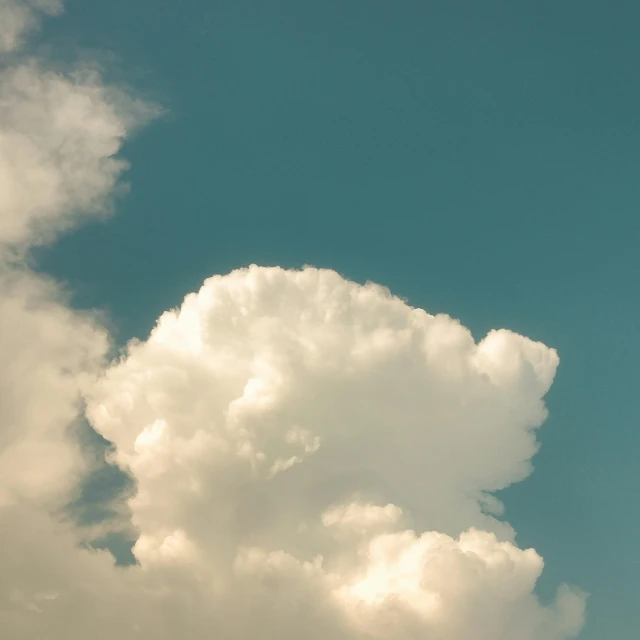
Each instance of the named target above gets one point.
<point>19,17</point>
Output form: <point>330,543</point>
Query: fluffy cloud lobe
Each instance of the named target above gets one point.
<point>59,135</point>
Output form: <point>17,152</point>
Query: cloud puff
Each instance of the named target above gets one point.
<point>48,353</point>
<point>339,387</point>
<point>59,136</point>
<point>19,17</point>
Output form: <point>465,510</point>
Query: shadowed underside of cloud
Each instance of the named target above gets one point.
<point>313,457</point>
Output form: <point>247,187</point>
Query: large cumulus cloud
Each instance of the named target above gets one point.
<point>307,387</point>
<point>292,433</point>
<point>311,457</point>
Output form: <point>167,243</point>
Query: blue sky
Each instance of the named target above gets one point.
<point>479,159</point>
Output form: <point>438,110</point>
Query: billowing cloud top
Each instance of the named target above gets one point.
<point>334,386</point>
<point>313,458</point>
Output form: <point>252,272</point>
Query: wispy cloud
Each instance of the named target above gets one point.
<point>59,138</point>
<point>20,17</point>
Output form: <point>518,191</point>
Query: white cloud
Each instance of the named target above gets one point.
<point>437,587</point>
<point>60,133</point>
<point>396,420</point>
<point>392,416</point>
<point>48,353</point>
<point>385,399</point>
<point>19,17</point>
<point>313,458</point>
<point>59,136</point>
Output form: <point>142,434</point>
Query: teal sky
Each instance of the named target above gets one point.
<point>478,158</point>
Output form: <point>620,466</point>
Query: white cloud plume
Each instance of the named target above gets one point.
<point>19,17</point>
<point>313,458</point>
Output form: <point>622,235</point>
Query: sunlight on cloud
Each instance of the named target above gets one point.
<point>59,134</point>
<point>48,353</point>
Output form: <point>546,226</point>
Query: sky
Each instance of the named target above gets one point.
<point>478,160</point>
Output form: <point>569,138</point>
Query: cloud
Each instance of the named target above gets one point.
<point>311,449</point>
<point>59,133</point>
<point>306,373</point>
<point>312,457</point>
<point>48,353</point>
<point>20,17</point>
<point>59,136</point>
